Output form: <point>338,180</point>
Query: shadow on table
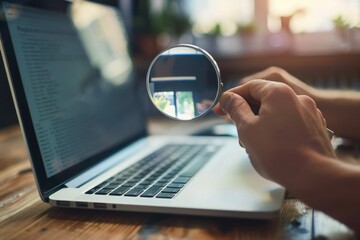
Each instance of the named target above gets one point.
<point>161,225</point>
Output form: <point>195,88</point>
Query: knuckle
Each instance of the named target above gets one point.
<point>281,89</point>
<point>308,101</point>
<point>273,69</point>
<point>275,73</point>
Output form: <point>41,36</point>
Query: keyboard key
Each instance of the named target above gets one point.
<point>119,191</point>
<point>134,192</point>
<point>151,192</point>
<point>93,190</point>
<point>112,185</point>
<point>165,195</point>
<point>165,163</point>
<point>163,181</point>
<point>175,185</point>
<point>181,180</point>
<point>143,186</point>
<point>101,185</point>
<point>151,178</point>
<point>132,182</point>
<point>118,182</point>
<point>104,191</point>
<point>146,182</point>
<point>160,184</point>
<point>137,179</point>
<point>108,180</point>
<point>170,190</point>
<point>167,178</point>
<point>128,185</point>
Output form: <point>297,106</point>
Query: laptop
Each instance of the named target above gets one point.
<point>73,83</point>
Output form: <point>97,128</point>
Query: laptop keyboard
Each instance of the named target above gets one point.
<point>162,174</point>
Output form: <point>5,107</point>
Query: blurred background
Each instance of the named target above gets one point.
<point>317,41</point>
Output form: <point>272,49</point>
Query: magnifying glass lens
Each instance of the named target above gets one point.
<point>183,82</point>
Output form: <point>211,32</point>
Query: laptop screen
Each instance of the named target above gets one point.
<point>77,78</point>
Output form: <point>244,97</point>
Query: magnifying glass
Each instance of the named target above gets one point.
<point>183,82</point>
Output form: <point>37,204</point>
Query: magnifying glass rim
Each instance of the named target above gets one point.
<point>212,61</point>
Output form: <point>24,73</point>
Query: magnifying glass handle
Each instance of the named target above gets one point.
<point>330,133</point>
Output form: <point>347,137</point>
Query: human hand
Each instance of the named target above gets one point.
<point>277,74</point>
<point>285,136</point>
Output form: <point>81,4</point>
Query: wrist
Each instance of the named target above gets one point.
<point>303,178</point>
<point>328,185</point>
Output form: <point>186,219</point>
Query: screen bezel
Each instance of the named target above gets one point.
<point>46,185</point>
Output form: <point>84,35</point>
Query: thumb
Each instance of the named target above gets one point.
<point>237,107</point>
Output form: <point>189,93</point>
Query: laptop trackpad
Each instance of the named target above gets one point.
<point>231,183</point>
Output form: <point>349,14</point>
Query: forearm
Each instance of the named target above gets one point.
<point>330,186</point>
<point>341,109</point>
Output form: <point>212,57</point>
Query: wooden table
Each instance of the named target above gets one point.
<point>24,216</point>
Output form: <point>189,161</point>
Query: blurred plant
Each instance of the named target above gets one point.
<point>185,103</point>
<point>169,19</point>
<point>246,28</point>
<point>162,102</point>
<point>141,17</point>
<point>340,22</point>
<point>215,31</point>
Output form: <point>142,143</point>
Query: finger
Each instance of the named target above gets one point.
<point>310,104</point>
<point>246,89</point>
<point>322,117</point>
<point>256,91</point>
<point>307,101</point>
<point>271,73</point>
<point>218,110</point>
<point>237,108</point>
